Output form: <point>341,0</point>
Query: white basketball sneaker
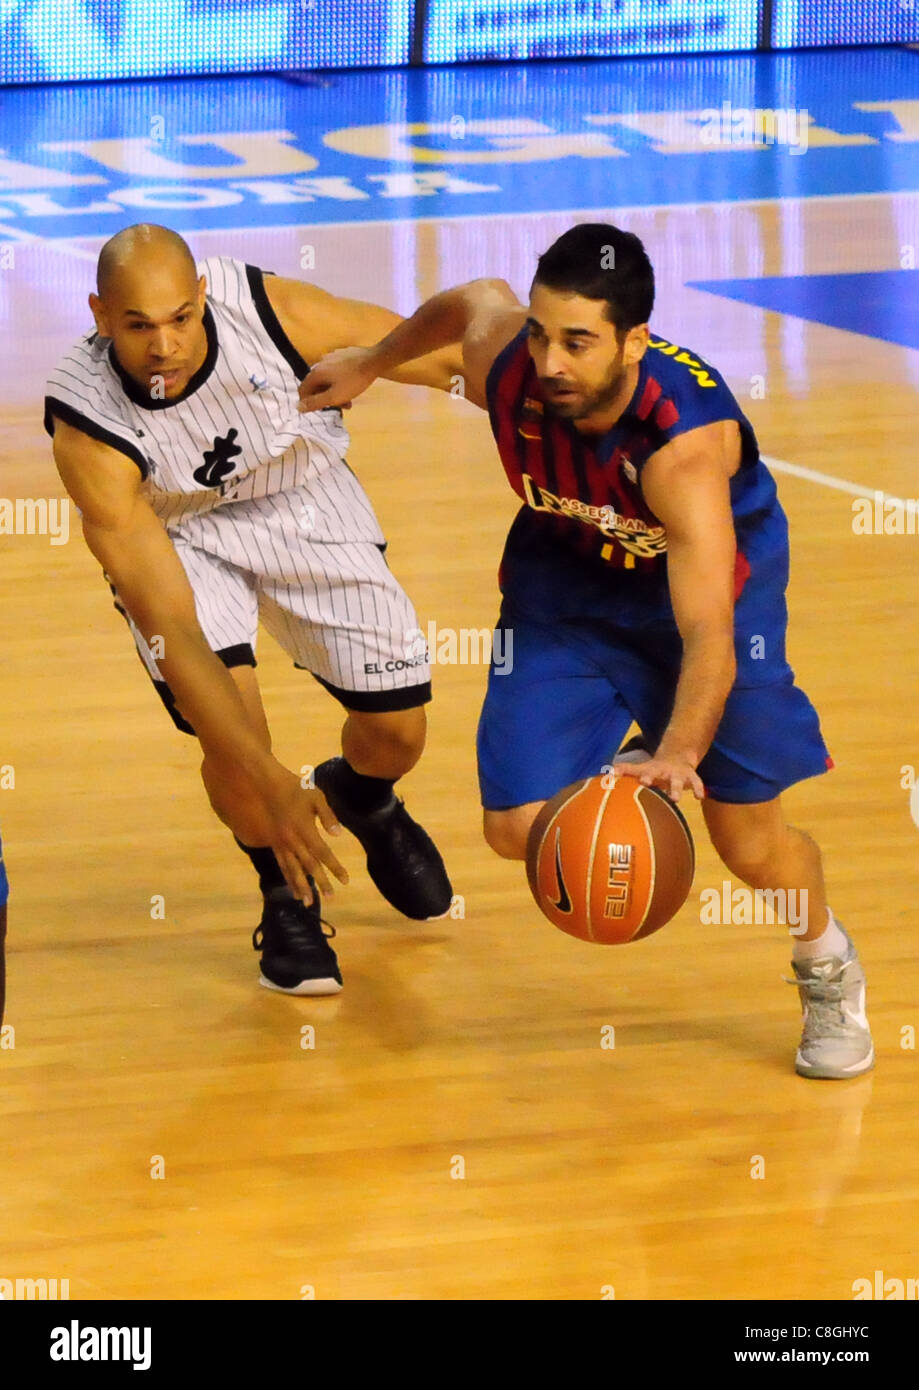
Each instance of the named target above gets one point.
<point>836,1041</point>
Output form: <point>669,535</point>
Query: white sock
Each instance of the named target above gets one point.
<point>832,943</point>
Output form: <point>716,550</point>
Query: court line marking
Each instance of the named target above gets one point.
<point>813,475</point>
<point>488,216</point>
<point>65,245</point>
<point>582,212</point>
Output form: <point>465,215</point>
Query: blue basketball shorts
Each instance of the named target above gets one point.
<point>4,881</point>
<point>563,696</point>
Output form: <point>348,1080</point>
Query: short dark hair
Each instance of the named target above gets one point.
<point>600,261</point>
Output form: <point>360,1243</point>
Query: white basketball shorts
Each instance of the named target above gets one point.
<point>332,604</point>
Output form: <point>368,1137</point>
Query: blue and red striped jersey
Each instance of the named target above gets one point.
<point>585,520</point>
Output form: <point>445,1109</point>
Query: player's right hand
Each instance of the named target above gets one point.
<point>298,846</point>
<point>672,775</point>
<point>278,811</point>
<point>337,378</point>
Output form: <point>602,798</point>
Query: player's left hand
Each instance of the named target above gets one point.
<point>336,379</point>
<point>671,775</point>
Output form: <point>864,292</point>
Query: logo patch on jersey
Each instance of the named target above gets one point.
<point>629,469</point>
<point>634,535</point>
<point>217,465</point>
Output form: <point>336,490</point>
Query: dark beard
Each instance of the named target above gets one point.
<point>589,405</point>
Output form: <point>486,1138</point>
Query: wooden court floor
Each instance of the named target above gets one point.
<point>456,1130</point>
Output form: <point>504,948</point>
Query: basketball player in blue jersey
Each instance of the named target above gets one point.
<point>213,504</point>
<point>644,579</point>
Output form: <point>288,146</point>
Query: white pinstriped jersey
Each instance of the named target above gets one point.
<point>235,433</point>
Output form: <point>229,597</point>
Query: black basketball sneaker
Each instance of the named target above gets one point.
<point>296,955</point>
<point>402,859</point>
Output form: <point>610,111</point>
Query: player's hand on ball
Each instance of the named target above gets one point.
<point>336,379</point>
<point>670,775</point>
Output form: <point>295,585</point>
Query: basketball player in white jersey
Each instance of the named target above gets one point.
<point>212,504</point>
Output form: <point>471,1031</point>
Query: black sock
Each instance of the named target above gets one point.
<point>270,874</point>
<point>362,794</point>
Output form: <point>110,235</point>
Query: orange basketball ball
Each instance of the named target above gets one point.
<point>610,860</point>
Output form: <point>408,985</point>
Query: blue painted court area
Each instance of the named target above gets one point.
<point>203,154</point>
<point>880,304</point>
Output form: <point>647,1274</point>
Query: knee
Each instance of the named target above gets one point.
<point>752,858</point>
<point>402,743</point>
<point>507,832</point>
<point>753,872</point>
<point>387,744</point>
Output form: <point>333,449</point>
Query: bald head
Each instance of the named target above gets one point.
<point>137,252</point>
<point>151,304</point>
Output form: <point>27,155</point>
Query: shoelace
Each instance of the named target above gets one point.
<point>298,928</point>
<point>824,1011</point>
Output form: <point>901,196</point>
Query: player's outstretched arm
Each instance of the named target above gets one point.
<point>483,316</point>
<point>137,555</point>
<point>319,323</point>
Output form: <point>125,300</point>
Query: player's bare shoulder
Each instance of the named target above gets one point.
<point>291,298</point>
<point>496,316</point>
<point>314,320</point>
<point>710,448</point>
<point>100,479</point>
